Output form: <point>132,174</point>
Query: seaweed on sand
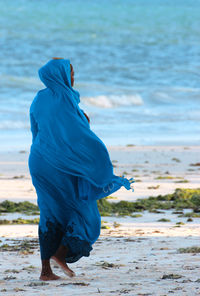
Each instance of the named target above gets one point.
<point>24,246</point>
<point>121,208</point>
<point>107,265</point>
<point>19,221</point>
<point>171,276</point>
<point>190,215</point>
<point>164,220</point>
<point>180,199</point>
<point>193,249</point>
<point>21,207</point>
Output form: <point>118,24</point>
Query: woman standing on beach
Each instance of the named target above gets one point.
<point>70,169</point>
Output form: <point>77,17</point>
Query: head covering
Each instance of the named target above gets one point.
<point>56,75</point>
<point>64,137</point>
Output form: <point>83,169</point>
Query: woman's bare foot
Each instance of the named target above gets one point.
<point>49,277</point>
<point>46,273</point>
<point>64,266</point>
<point>59,258</point>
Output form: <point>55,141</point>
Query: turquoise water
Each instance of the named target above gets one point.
<point>137,66</point>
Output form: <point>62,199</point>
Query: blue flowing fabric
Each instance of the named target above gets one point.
<point>69,165</point>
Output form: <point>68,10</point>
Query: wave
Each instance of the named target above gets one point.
<point>174,95</point>
<point>111,101</point>
<point>13,124</point>
<point>19,80</point>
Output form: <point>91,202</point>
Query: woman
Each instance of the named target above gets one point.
<point>70,169</point>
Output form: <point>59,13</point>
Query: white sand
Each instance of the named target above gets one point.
<point>141,249</point>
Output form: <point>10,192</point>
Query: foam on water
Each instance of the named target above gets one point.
<point>13,125</point>
<point>113,101</point>
<point>19,80</point>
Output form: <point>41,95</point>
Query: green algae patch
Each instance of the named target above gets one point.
<point>182,181</point>
<point>193,249</point>
<point>9,277</point>
<point>29,268</point>
<point>179,200</point>
<point>12,271</point>
<point>19,289</point>
<point>5,222</point>
<point>156,211</point>
<point>176,159</point>
<point>24,247</point>
<point>153,187</point>
<point>36,284</point>
<point>165,178</point>
<point>183,199</point>
<point>190,215</point>
<point>180,223</point>
<point>171,276</point>
<point>125,173</point>
<point>164,220</point>
<point>116,225</point>
<point>178,213</point>
<point>19,221</point>
<point>195,164</point>
<point>107,265</point>
<point>20,207</point>
<point>136,215</point>
<point>19,177</point>
<point>105,227</point>
<point>111,197</point>
<point>122,208</point>
<point>189,220</point>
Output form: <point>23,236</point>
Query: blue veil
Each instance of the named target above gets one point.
<point>63,136</point>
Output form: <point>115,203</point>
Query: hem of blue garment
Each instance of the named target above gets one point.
<point>77,248</point>
<point>50,239</point>
<point>54,236</point>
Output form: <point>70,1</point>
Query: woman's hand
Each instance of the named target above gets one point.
<point>87,117</point>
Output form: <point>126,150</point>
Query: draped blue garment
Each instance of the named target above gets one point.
<point>69,165</point>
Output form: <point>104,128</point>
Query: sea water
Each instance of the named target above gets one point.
<point>136,62</point>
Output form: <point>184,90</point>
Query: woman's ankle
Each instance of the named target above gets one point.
<point>61,252</point>
<point>46,268</point>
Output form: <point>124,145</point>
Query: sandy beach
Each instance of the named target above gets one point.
<point>134,255</point>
